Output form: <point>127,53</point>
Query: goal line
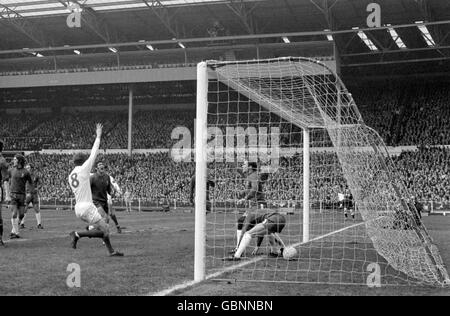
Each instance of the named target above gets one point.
<point>213,276</point>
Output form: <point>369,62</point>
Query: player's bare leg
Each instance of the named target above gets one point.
<point>258,230</point>
<point>112,214</point>
<point>22,214</point>
<point>240,225</point>
<point>103,214</point>
<point>100,230</point>
<point>37,212</point>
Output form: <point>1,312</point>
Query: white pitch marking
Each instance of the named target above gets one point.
<point>184,285</point>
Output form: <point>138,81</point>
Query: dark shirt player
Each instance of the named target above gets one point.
<point>18,178</point>
<point>4,188</point>
<point>101,186</point>
<point>32,197</point>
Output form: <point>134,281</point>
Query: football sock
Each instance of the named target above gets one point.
<point>238,236</point>
<point>15,226</point>
<point>108,244</point>
<point>246,239</point>
<point>21,219</point>
<point>114,218</point>
<point>38,218</point>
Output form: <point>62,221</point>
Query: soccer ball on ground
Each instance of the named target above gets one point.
<point>289,252</point>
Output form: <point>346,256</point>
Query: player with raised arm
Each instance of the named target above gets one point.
<point>18,179</point>
<point>4,189</point>
<point>79,181</point>
<point>32,198</point>
<point>252,224</point>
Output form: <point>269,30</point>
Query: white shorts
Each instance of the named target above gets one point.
<point>88,213</point>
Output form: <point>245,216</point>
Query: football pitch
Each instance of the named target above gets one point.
<point>159,255</point>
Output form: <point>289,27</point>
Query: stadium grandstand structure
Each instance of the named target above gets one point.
<point>132,66</point>
<point>122,35</point>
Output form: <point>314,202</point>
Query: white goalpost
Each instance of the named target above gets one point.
<point>294,118</point>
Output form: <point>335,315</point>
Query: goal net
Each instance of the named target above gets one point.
<point>348,214</point>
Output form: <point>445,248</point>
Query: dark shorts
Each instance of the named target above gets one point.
<point>103,205</point>
<point>18,199</point>
<point>275,223</point>
<point>32,198</point>
<point>348,204</point>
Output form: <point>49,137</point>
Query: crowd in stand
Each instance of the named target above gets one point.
<point>148,177</point>
<point>157,177</point>
<point>107,67</point>
<point>427,118</point>
<point>403,116</point>
<point>407,114</point>
<point>426,173</point>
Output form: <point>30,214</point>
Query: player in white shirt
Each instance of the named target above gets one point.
<point>79,181</point>
<point>127,197</point>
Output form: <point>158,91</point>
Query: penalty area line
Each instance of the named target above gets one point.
<point>185,285</point>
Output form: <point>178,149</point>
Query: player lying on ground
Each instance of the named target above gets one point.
<point>79,181</point>
<point>32,197</point>
<point>18,179</point>
<point>254,224</point>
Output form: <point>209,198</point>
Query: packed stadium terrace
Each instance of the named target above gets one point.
<point>402,114</point>
<point>157,178</point>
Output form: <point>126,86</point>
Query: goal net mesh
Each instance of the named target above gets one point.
<point>257,111</point>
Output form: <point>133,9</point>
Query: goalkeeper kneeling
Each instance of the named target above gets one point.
<point>254,225</point>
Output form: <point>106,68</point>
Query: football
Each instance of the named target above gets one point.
<point>289,253</point>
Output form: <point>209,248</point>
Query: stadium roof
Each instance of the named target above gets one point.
<point>29,8</point>
<point>133,24</point>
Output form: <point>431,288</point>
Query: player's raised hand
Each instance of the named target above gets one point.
<point>99,130</point>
